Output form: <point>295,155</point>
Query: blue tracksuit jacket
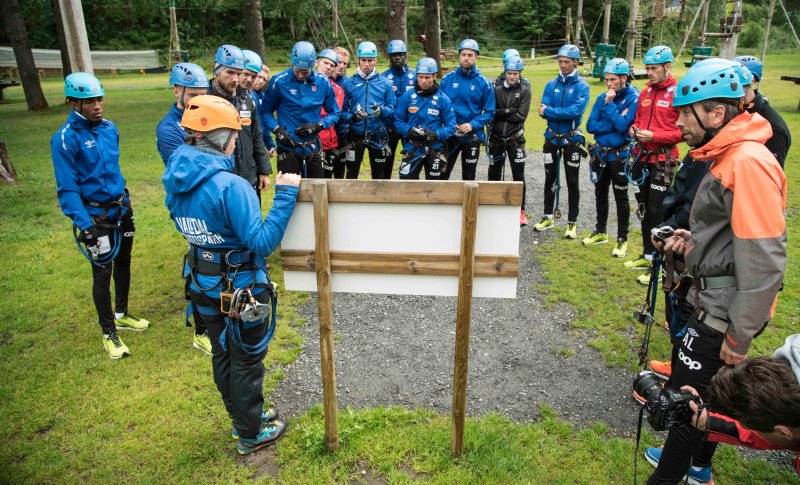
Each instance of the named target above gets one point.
<point>402,81</point>
<point>472,96</point>
<point>297,103</point>
<point>433,111</point>
<point>169,133</point>
<point>566,98</point>
<point>214,208</point>
<point>607,123</point>
<point>362,92</point>
<point>86,165</point>
<point>259,100</point>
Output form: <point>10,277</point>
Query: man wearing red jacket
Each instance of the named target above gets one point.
<point>756,403</point>
<point>333,165</point>
<point>656,135</point>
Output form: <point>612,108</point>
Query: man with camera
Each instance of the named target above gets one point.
<point>756,403</point>
<point>736,250</point>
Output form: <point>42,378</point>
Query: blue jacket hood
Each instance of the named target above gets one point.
<point>190,166</point>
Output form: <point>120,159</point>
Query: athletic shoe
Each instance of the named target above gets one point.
<point>545,224</point>
<point>267,416</point>
<point>639,263</point>
<point>703,476</point>
<point>572,231</point>
<point>595,238</point>
<point>130,322</point>
<point>523,220</point>
<point>115,347</point>
<point>643,279</point>
<point>202,343</point>
<point>661,369</point>
<point>621,249</point>
<point>270,433</point>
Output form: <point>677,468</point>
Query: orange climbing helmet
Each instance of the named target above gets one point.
<point>207,113</point>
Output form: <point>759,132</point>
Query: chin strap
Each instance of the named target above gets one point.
<point>712,132</point>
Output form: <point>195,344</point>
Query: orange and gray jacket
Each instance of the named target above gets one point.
<point>738,228</point>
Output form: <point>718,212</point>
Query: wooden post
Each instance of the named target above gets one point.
<point>464,315</point>
<point>325,304</point>
<point>433,31</point>
<point>630,52</point>
<point>770,12</point>
<point>606,20</point>
<point>75,32</point>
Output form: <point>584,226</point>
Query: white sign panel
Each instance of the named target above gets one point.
<point>408,229</point>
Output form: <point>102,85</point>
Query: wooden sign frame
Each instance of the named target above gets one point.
<point>466,265</point>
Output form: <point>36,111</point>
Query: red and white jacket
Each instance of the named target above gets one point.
<point>328,136</point>
<point>656,113</point>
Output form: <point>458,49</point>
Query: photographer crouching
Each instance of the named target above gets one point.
<point>735,252</point>
<point>756,402</point>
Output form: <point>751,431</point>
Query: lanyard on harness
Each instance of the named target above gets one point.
<point>94,254</point>
<point>419,152</point>
<point>635,156</point>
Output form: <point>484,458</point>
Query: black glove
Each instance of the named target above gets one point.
<point>430,135</point>
<point>282,137</point>
<point>88,236</point>
<point>360,115</point>
<point>417,133</point>
<point>376,111</point>
<point>307,129</point>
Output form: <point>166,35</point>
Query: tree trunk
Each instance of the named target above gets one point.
<point>396,20</point>
<point>433,33</point>
<point>66,66</point>
<point>18,34</point>
<point>253,26</point>
<point>7,172</point>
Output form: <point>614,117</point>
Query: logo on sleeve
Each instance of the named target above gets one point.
<point>90,143</point>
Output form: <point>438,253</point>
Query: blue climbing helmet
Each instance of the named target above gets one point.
<point>744,74</point>
<point>303,55</point>
<point>367,49</point>
<point>252,61</point>
<point>569,50</point>
<point>754,64</point>
<point>329,54</point>
<point>708,81</point>
<point>658,55</point>
<point>513,63</point>
<point>426,65</point>
<point>188,75</point>
<point>469,44</point>
<point>618,66</point>
<point>510,52</point>
<point>397,47</point>
<point>229,56</point>
<point>82,85</point>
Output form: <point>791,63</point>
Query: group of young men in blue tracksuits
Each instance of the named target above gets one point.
<point>216,159</point>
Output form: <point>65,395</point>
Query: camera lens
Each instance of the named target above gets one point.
<point>647,385</point>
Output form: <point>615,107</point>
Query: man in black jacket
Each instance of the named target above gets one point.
<point>507,137</point>
<point>755,102</point>
<point>251,157</point>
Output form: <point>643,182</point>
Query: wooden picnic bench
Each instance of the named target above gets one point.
<point>4,85</point>
<point>794,79</point>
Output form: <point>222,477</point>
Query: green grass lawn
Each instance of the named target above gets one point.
<point>69,414</point>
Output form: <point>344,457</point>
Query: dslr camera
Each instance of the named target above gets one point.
<point>667,407</point>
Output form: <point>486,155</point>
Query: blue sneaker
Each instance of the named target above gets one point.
<point>270,433</point>
<point>267,416</point>
<point>702,476</point>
